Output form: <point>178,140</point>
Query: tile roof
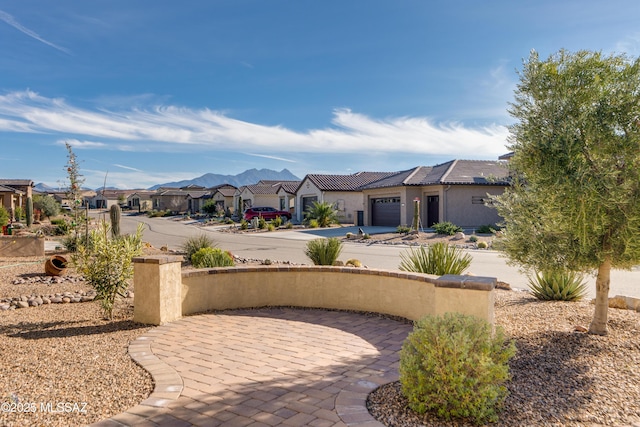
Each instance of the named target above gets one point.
<point>11,182</point>
<point>262,189</point>
<point>8,189</point>
<point>485,172</point>
<point>351,182</point>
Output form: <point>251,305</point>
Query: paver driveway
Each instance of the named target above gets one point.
<point>266,367</point>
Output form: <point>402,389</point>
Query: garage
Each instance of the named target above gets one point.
<point>385,211</point>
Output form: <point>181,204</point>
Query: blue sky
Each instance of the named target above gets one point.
<point>153,91</point>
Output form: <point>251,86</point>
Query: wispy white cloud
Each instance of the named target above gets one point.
<point>126,167</point>
<point>266,156</point>
<point>208,130</point>
<point>81,144</point>
<point>629,45</point>
<point>10,20</point>
<point>96,178</point>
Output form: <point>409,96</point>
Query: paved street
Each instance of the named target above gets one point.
<point>289,246</point>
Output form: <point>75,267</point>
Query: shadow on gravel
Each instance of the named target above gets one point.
<point>35,331</point>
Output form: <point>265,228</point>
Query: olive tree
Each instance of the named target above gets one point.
<point>575,200</point>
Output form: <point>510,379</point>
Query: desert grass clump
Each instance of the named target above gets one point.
<point>195,243</point>
<point>558,285</point>
<point>439,259</point>
<point>323,251</point>
<point>212,257</point>
<point>456,367</point>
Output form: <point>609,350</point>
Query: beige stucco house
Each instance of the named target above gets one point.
<point>454,191</point>
<point>343,191</point>
<point>14,193</point>
<point>264,193</point>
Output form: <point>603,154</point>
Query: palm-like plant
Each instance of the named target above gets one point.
<point>439,259</point>
<point>323,212</point>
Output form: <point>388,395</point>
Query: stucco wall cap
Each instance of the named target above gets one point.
<point>466,282</point>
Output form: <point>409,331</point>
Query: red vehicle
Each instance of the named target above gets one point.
<point>265,212</point>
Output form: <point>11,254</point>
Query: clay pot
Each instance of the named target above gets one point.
<point>55,266</point>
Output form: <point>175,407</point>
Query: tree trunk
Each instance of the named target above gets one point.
<point>599,322</point>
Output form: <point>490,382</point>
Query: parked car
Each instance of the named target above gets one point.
<point>265,212</point>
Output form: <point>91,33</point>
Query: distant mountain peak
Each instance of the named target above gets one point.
<point>250,176</point>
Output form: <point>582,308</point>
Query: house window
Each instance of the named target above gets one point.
<point>477,200</point>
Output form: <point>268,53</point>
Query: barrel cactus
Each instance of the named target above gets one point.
<point>114,214</point>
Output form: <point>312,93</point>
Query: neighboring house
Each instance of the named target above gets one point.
<point>172,199</point>
<point>287,196</point>
<point>223,196</point>
<point>196,199</point>
<point>140,200</point>
<point>454,191</point>
<point>343,191</point>
<point>264,193</point>
<point>14,193</point>
<point>104,199</point>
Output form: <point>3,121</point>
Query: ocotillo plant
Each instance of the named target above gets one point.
<point>29,211</point>
<point>114,215</point>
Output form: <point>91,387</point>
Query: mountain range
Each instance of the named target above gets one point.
<point>250,176</point>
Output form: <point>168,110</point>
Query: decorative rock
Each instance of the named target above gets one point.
<point>5,307</point>
<point>459,236</point>
<point>66,300</point>
<point>46,300</point>
<point>75,299</point>
<point>22,304</point>
<point>56,300</point>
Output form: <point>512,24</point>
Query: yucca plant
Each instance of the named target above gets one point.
<point>194,244</point>
<point>323,251</point>
<point>439,259</point>
<point>558,285</point>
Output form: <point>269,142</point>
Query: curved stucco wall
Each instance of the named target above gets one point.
<point>163,296</point>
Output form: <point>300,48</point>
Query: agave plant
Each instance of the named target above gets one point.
<point>558,285</point>
<point>439,259</point>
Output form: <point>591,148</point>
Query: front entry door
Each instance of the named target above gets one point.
<point>433,210</point>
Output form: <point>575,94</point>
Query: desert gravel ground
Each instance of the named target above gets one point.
<point>64,357</point>
<point>67,353</point>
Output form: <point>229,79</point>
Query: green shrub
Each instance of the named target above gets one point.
<point>447,228</point>
<point>403,229</point>
<point>4,216</point>
<point>72,241</point>
<point>558,285</point>
<point>482,245</point>
<point>277,221</point>
<point>473,239</point>
<point>487,229</point>
<point>262,223</point>
<point>324,251</point>
<point>366,236</point>
<point>244,225</point>
<point>211,257</point>
<point>61,226</point>
<point>271,227</point>
<point>46,204</point>
<point>313,223</point>
<point>439,259</point>
<point>107,265</point>
<point>455,367</point>
<point>289,225</point>
<point>194,244</point>
<point>18,213</point>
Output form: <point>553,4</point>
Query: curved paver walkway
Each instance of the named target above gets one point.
<point>265,367</point>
